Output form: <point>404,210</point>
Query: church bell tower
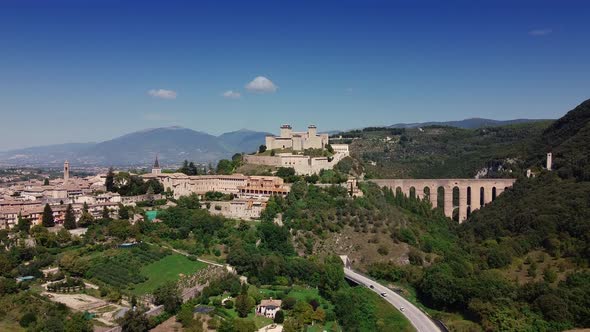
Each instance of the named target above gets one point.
<point>66,171</point>
<point>156,169</point>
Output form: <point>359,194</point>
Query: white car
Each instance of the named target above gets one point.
<point>402,309</point>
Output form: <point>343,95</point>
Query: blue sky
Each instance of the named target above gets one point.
<point>78,71</point>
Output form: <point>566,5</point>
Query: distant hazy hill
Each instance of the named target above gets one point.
<point>472,123</point>
<point>171,144</point>
<point>243,140</point>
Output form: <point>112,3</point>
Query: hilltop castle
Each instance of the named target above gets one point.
<point>297,141</point>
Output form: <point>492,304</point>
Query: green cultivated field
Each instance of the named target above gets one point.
<point>166,269</point>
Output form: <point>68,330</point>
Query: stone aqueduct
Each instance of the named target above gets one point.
<point>473,193</point>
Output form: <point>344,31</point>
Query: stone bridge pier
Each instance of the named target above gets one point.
<point>469,194</point>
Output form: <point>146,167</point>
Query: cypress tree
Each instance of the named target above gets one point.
<point>48,220</point>
<point>123,212</point>
<point>23,224</point>
<point>85,220</point>
<point>70,218</point>
<point>109,182</point>
<point>192,169</point>
<point>106,214</point>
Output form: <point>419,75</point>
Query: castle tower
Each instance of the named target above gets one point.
<point>549,161</point>
<point>286,131</point>
<point>156,169</point>
<point>66,171</point>
<point>312,131</point>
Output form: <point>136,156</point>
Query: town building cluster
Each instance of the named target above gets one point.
<point>28,198</point>
<point>248,194</point>
<point>245,197</point>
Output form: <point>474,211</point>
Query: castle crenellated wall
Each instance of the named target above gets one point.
<point>297,141</point>
<point>303,165</point>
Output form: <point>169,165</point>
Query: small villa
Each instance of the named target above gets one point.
<point>268,308</point>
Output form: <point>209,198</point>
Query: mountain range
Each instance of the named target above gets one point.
<point>172,145</point>
<point>472,123</point>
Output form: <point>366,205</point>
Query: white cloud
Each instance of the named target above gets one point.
<point>230,94</point>
<point>162,93</point>
<point>261,84</point>
<point>540,32</point>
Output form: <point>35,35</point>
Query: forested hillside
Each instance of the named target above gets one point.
<point>519,264</point>
<point>569,139</point>
<point>448,152</point>
<point>529,249</point>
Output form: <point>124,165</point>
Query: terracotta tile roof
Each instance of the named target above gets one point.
<point>271,303</point>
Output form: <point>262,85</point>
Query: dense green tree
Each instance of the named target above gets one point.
<point>28,319</point>
<point>287,174</point>
<point>86,219</point>
<point>225,166</point>
<point>70,218</point>
<point>440,287</point>
<point>7,286</point>
<point>63,236</point>
<point>279,317</point>
<point>302,313</point>
<point>237,160</point>
<point>289,303</point>
<point>332,278</point>
<point>227,325</point>
<point>192,169</point>
<point>121,229</point>
<point>23,224</point>
<point>110,180</point>
<point>186,315</point>
<point>330,148</point>
<point>106,214</point>
<point>134,321</point>
<point>189,202</point>
<point>275,238</point>
<point>47,219</point>
<point>261,148</point>
<point>123,212</point>
<point>169,296</point>
<point>184,168</point>
<point>78,323</point>
<point>46,182</point>
<point>244,304</point>
<point>244,325</point>
<point>353,310</point>
<point>51,323</point>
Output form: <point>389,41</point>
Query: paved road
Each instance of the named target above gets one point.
<point>420,321</point>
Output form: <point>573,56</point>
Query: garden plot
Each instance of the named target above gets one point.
<point>103,310</point>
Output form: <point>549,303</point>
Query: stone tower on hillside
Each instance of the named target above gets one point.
<point>66,171</point>
<point>156,169</point>
<point>549,161</point>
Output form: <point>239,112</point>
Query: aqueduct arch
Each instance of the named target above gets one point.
<point>472,192</point>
